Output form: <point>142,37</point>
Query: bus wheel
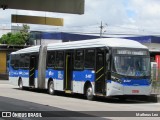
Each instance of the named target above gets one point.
<point>51,88</point>
<point>20,84</point>
<point>89,93</point>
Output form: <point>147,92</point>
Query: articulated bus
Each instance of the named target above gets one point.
<point>99,67</point>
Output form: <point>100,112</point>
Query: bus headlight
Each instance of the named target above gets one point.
<point>115,79</point>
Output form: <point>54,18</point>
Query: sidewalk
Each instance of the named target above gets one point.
<point>4,81</point>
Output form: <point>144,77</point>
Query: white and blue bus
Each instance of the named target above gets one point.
<point>99,67</point>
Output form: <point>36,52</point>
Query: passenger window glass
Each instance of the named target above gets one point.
<point>59,60</point>
<point>89,59</point>
<point>79,59</point>
<point>51,59</point>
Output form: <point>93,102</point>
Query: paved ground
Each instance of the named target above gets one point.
<point>13,99</point>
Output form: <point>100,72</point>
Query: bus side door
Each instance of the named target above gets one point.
<point>100,71</point>
<point>68,70</point>
<point>32,70</point>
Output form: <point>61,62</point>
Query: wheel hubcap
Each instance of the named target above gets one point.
<point>20,84</point>
<point>89,92</point>
<point>51,88</point>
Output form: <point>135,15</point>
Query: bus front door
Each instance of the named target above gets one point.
<point>100,72</point>
<point>32,70</point>
<point>67,72</point>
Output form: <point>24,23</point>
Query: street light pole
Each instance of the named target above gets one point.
<point>101,28</point>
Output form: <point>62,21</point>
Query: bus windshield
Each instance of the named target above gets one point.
<point>132,65</point>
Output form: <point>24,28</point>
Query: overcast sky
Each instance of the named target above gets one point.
<point>117,16</point>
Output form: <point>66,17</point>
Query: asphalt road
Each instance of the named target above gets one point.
<point>14,100</point>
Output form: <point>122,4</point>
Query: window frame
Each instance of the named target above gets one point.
<point>75,55</point>
<point>54,59</point>
<point>94,62</point>
<point>57,61</point>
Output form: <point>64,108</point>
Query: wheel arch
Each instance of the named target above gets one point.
<point>20,78</point>
<point>86,85</point>
<point>49,80</point>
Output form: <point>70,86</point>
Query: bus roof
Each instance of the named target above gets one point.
<point>101,42</point>
<point>27,50</point>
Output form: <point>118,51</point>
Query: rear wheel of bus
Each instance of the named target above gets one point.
<point>51,88</point>
<point>20,84</point>
<point>89,93</point>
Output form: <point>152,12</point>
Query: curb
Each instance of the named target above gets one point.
<point>154,98</point>
<point>4,81</point>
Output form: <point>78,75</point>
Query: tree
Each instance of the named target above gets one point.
<point>19,38</point>
<point>25,33</point>
<point>4,39</point>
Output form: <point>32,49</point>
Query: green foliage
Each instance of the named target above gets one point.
<point>25,33</point>
<point>19,38</point>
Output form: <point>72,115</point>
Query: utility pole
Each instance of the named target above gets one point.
<point>101,28</point>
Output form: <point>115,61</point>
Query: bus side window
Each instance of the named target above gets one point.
<point>51,60</point>
<point>79,59</point>
<point>16,64</point>
<point>59,60</point>
<point>89,59</point>
<point>12,62</point>
<point>21,61</point>
<point>27,60</point>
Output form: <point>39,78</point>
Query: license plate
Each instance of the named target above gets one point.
<point>135,91</point>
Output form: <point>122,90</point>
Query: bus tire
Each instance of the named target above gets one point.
<point>20,84</point>
<point>89,93</point>
<point>51,88</point>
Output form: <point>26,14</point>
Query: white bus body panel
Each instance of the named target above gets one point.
<point>77,86</point>
<point>115,88</point>
<point>58,84</point>
<point>25,82</point>
<point>143,90</point>
<point>36,82</point>
<point>13,81</point>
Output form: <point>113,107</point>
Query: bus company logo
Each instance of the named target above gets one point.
<point>127,80</point>
<point>6,114</point>
<point>51,73</point>
<point>25,73</point>
<point>60,75</point>
<point>15,73</point>
<point>20,72</point>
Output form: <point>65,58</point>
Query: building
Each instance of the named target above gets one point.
<point>38,38</point>
<point>5,50</point>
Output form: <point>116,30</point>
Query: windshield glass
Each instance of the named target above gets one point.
<point>132,65</point>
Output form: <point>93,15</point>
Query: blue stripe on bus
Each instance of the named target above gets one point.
<point>76,75</point>
<point>18,72</point>
<point>108,81</point>
<point>135,82</point>
<point>85,75</point>
<point>132,82</point>
<point>55,74</point>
